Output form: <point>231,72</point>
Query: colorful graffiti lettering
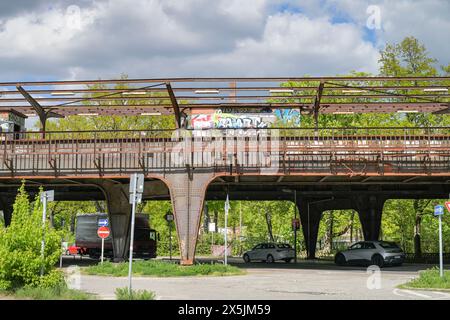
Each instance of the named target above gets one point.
<point>223,120</point>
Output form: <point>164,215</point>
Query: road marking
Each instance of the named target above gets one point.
<point>443,294</point>
<point>398,292</point>
<point>418,294</point>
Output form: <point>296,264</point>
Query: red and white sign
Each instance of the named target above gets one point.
<point>103,232</point>
<point>447,205</point>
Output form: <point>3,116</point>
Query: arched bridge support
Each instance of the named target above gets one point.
<point>119,211</point>
<point>370,210</point>
<point>187,193</point>
<point>311,211</point>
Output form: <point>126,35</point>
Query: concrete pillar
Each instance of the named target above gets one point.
<point>310,216</point>
<point>370,209</point>
<point>187,196</point>
<point>119,211</point>
<point>6,205</point>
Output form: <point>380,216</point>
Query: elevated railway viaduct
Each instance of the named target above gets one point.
<point>329,168</point>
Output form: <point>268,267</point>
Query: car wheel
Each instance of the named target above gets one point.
<point>270,259</point>
<point>340,259</point>
<point>288,260</point>
<point>377,260</point>
<point>247,258</point>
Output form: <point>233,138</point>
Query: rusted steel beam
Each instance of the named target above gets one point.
<point>41,112</point>
<point>233,99</point>
<point>176,108</point>
<point>221,79</point>
<point>224,89</point>
<point>317,104</point>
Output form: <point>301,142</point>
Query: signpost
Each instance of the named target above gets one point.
<point>103,222</point>
<point>45,196</point>
<point>227,208</point>
<point>212,229</point>
<point>136,190</point>
<point>103,233</point>
<point>169,218</point>
<point>439,211</point>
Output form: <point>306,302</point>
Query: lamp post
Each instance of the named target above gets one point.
<point>295,219</point>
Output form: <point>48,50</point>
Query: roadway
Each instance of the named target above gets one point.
<point>306,280</point>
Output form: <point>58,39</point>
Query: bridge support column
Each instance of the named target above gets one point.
<point>187,196</point>
<point>6,205</point>
<point>119,211</point>
<point>310,216</point>
<point>370,209</point>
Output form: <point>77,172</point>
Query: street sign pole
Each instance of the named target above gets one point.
<point>44,217</point>
<point>439,211</point>
<point>103,250</point>
<point>227,207</point>
<point>441,260</point>
<point>169,218</point>
<point>136,190</point>
<point>133,208</point>
<point>45,196</point>
<point>170,241</point>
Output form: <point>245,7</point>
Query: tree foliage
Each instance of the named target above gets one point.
<point>20,247</point>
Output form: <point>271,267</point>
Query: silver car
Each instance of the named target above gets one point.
<point>270,252</point>
<point>379,253</point>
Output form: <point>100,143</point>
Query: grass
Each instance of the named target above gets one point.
<point>60,293</point>
<point>429,279</point>
<point>124,294</point>
<point>161,269</point>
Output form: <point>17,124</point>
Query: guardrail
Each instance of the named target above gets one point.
<point>277,150</point>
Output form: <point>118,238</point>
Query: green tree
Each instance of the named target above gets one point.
<point>407,58</point>
<point>20,247</point>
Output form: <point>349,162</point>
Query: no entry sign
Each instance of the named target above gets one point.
<point>103,232</point>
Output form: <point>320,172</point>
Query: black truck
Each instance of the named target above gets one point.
<point>89,243</point>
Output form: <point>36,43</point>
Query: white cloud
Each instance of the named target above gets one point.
<point>156,38</point>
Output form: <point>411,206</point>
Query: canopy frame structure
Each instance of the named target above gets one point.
<point>179,96</point>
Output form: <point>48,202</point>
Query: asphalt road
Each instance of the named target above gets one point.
<point>305,280</point>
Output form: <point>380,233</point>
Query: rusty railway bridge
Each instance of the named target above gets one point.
<point>329,168</point>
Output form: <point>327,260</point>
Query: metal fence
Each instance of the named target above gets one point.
<point>287,151</point>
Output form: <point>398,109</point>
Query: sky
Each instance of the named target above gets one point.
<point>85,39</point>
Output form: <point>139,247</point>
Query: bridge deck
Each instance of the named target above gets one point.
<point>387,151</point>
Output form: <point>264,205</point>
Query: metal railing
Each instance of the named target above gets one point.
<point>350,151</point>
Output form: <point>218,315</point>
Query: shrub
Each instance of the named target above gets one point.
<point>20,247</point>
<point>124,294</point>
<point>430,279</point>
<point>54,293</point>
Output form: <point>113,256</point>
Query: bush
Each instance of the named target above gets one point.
<point>124,294</point>
<point>20,247</point>
<point>430,279</point>
<point>54,293</point>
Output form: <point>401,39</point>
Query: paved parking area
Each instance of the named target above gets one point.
<point>306,280</point>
